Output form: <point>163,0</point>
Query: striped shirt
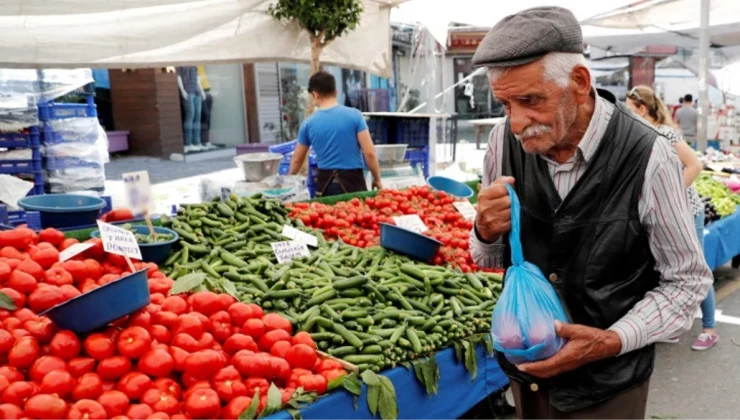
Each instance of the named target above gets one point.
<point>685,277</point>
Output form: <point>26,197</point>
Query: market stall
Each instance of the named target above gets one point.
<point>722,240</point>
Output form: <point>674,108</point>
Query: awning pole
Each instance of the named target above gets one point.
<point>703,109</point>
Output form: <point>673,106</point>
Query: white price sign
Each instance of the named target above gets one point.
<point>296,235</point>
<point>74,250</point>
<point>466,209</point>
<point>287,251</point>
<point>138,191</point>
<point>411,222</point>
<point>119,241</point>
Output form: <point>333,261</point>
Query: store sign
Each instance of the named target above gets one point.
<point>119,241</point>
<point>74,250</point>
<point>296,235</point>
<point>466,209</point>
<point>411,222</point>
<point>138,191</point>
<point>287,251</point>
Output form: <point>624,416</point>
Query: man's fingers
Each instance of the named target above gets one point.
<point>504,180</point>
<point>568,331</point>
<point>544,368</point>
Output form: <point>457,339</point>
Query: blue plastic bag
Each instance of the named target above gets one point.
<point>523,323</point>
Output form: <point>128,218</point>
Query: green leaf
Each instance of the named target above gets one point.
<point>6,302</point>
<point>370,378</point>
<point>407,364</point>
<point>301,396</point>
<point>274,401</point>
<point>488,344</point>
<point>335,383</point>
<point>471,361</point>
<point>352,384</point>
<point>459,352</point>
<point>427,373</point>
<point>388,403</point>
<point>187,283</point>
<point>251,412</point>
<point>373,398</point>
<point>294,413</point>
<point>228,287</point>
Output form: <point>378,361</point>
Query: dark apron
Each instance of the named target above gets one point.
<point>340,181</point>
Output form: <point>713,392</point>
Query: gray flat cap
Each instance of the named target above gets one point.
<point>528,35</point>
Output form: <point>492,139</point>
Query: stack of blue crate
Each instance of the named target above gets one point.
<point>28,139</point>
<point>286,149</point>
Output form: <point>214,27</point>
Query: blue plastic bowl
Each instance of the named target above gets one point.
<point>98,308</point>
<point>64,210</point>
<point>450,186</point>
<point>157,252</point>
<point>404,241</point>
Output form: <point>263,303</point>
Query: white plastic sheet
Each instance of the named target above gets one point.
<point>148,33</point>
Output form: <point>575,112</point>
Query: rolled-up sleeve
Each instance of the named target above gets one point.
<point>685,278</point>
<point>489,255</point>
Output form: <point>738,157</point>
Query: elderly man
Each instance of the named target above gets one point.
<point>603,214</point>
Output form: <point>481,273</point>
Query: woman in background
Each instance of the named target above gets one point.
<point>642,101</point>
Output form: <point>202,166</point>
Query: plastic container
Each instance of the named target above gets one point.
<point>284,148</point>
<point>54,111</point>
<point>28,139</point>
<point>404,241</point>
<point>391,153</point>
<point>99,307</point>
<point>258,166</point>
<point>64,210</point>
<point>157,252</point>
<point>450,186</point>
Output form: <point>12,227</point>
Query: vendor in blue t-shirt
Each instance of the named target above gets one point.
<point>339,136</point>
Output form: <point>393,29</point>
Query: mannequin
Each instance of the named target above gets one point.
<point>193,96</point>
<point>205,120</point>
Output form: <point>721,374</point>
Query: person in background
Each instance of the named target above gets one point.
<point>192,96</point>
<point>205,120</point>
<point>340,138</point>
<point>687,117</point>
<point>676,108</point>
<point>642,101</point>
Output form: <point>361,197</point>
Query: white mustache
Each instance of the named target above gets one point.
<point>533,131</point>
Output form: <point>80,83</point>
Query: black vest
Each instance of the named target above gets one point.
<point>593,249</point>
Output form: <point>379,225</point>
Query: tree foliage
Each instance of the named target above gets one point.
<point>324,20</point>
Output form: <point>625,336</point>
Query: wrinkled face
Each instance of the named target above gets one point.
<point>540,111</point>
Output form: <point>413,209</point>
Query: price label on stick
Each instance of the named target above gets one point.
<point>74,250</point>
<point>296,235</point>
<point>138,191</point>
<point>411,222</point>
<point>119,241</point>
<point>287,251</point>
<point>466,209</point>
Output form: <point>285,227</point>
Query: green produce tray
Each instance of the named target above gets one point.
<point>331,200</point>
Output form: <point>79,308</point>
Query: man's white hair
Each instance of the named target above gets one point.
<point>558,66</point>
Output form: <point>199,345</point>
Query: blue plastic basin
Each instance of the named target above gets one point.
<point>98,308</point>
<point>450,186</point>
<point>157,252</point>
<point>404,241</point>
<point>64,210</point>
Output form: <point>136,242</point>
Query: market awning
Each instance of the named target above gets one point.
<point>150,33</point>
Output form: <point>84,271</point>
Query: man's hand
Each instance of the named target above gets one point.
<point>585,345</point>
<point>377,184</point>
<point>494,210</point>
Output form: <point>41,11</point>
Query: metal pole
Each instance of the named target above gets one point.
<point>478,71</point>
<point>701,134</point>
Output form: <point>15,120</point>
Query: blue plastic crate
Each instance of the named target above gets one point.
<point>284,168</point>
<point>412,131</point>
<point>417,155</point>
<point>18,217</point>
<point>60,164</point>
<point>25,166</point>
<point>54,111</point>
<point>29,139</point>
<point>378,130</point>
<point>284,148</point>
<point>58,137</point>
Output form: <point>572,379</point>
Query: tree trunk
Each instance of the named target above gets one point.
<point>316,49</point>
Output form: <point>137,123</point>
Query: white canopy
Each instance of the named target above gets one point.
<point>150,33</point>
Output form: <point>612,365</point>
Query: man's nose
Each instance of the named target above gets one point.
<point>519,121</point>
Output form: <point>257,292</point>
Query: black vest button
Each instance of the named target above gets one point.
<point>553,277</point>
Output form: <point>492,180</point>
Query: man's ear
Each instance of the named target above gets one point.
<point>580,78</point>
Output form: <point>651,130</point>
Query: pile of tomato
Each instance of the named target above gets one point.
<point>200,355</point>
<point>357,222</point>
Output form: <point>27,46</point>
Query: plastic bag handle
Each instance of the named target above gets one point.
<point>517,257</point>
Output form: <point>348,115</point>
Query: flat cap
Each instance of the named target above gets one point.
<point>528,35</point>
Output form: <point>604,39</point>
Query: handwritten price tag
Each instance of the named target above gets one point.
<point>119,241</point>
<point>411,222</point>
<point>287,251</point>
<point>138,191</point>
<point>296,235</point>
<point>466,209</point>
<point>74,250</point>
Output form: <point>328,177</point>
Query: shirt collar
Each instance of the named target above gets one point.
<point>592,137</point>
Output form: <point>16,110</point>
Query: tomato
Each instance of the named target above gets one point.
<point>11,373</point>
<point>271,337</point>
<point>274,321</point>
<point>114,402</point>
<point>44,365</point>
<point>79,366</point>
<point>45,258</point>
<point>235,408</point>
<point>32,268</point>
<point>204,363</point>
<point>280,349</point>
<point>206,342</point>
<point>140,319</point>
<point>99,346</point>
<point>169,386</point>
<point>22,282</point>
<point>88,386</point>
<point>331,375</point>
<point>58,382</point>
<point>133,342</point>
<point>24,352</point>
<point>328,364</point>
<point>157,298</point>
<point>206,303</point>
<point>108,278</point>
<point>157,363</point>
<point>77,269</point>
<point>178,356</point>
<point>279,368</point>
<point>4,383</point>
<point>13,412</point>
<point>250,364</point>
<point>134,384</point>
<point>160,401</point>
<point>301,356</point>
<point>112,368</point>
<point>19,392</point>
<point>159,415</point>
<point>6,341</point>
<point>188,324</point>
<point>257,311</point>
<point>160,333</point>
<point>220,325</point>
<point>18,298</point>
<point>303,338</point>
<point>139,411</point>
<point>253,384</point>
<point>160,285</point>
<point>254,328</point>
<point>175,304</point>
<point>87,409</point>
<point>44,406</point>
<point>203,403</point>
<point>228,385</point>
<point>69,291</point>
<point>45,298</point>
<point>239,342</point>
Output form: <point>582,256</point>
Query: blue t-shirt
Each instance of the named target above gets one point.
<point>332,133</point>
